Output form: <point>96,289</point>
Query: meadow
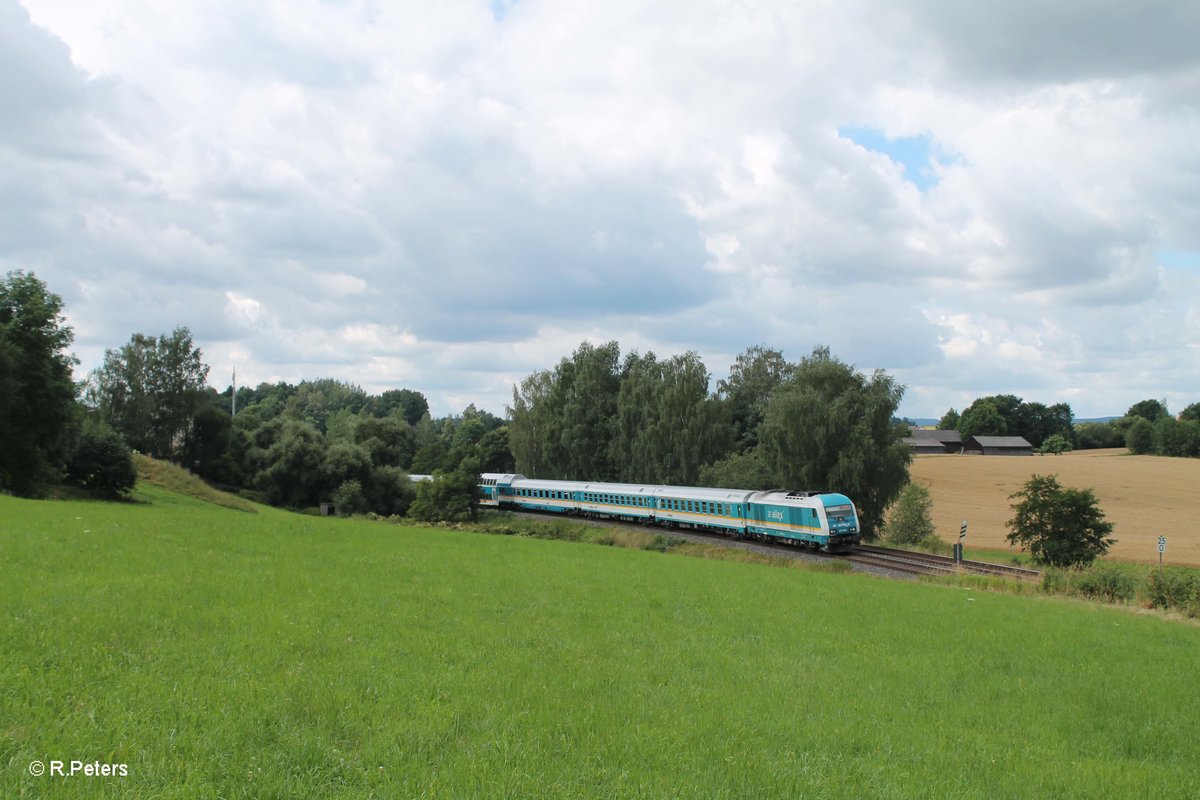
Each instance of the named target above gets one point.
<point>1143,496</point>
<point>222,654</point>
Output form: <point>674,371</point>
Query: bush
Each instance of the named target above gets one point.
<point>1106,582</point>
<point>449,497</point>
<point>1055,444</point>
<point>1054,581</point>
<point>662,542</point>
<point>348,498</point>
<point>102,463</point>
<point>389,491</point>
<point>911,518</point>
<point>1175,588</point>
<point>1094,435</point>
<point>1140,437</point>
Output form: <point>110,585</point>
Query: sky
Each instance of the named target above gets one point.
<point>446,196</point>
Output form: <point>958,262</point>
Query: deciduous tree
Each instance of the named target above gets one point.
<point>1152,410</point>
<point>149,391</point>
<point>1061,527</point>
<point>1140,437</point>
<point>38,411</point>
<point>753,378</point>
<point>830,428</point>
<point>911,518</point>
<point>982,419</point>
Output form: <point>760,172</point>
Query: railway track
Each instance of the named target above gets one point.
<point>931,564</point>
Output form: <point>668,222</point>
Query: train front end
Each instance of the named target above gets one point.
<point>842,521</point>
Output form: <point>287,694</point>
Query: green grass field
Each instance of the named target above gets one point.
<point>220,654</point>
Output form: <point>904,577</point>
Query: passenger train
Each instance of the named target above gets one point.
<point>827,521</point>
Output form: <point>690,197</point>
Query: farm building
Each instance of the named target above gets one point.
<point>998,446</point>
<point>925,442</point>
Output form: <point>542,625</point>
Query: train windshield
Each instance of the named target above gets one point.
<point>840,516</point>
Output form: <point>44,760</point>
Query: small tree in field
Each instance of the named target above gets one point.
<point>1055,443</point>
<point>911,520</point>
<point>1060,527</point>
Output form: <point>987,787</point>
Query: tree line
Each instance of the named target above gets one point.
<point>1009,415</point>
<point>288,445</point>
<point>1146,428</point>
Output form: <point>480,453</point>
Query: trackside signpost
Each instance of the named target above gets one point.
<point>958,548</point>
<point>1162,548</point>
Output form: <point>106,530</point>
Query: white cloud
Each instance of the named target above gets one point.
<point>447,197</point>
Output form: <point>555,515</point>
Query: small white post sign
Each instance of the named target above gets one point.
<point>1162,547</point>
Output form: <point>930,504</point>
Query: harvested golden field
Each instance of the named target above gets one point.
<point>1143,496</point>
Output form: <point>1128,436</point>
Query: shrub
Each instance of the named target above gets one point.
<point>911,519</point>
<point>1175,588</point>
<point>1140,437</point>
<point>102,463</point>
<point>1055,443</point>
<point>348,498</point>
<point>1054,581</point>
<point>1092,435</point>
<point>662,542</point>
<point>1106,582</point>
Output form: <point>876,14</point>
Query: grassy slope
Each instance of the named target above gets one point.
<point>166,475</point>
<point>222,654</point>
<point>1144,496</point>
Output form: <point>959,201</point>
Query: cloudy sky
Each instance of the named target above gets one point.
<point>445,196</point>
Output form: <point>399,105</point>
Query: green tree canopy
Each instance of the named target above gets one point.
<point>37,396</point>
<point>562,421</point>
<point>315,401</point>
<point>1060,527</point>
<point>149,391</point>
<point>949,421</point>
<point>982,419</point>
<point>1140,437</point>
<point>753,379</point>
<point>667,424</point>
<point>744,470</point>
<point>409,404</point>
<point>1152,410</point>
<point>830,428</point>
<point>1009,415</point>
